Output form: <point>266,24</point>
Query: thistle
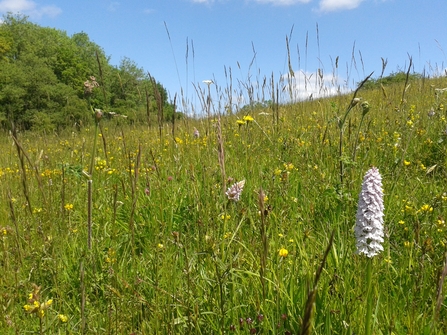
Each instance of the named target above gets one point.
<point>369,218</point>
<point>234,192</point>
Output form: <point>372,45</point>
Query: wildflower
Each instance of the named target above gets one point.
<point>62,318</point>
<point>196,133</point>
<point>406,163</point>
<point>34,306</point>
<point>369,218</point>
<point>248,118</point>
<point>68,207</point>
<point>160,246</point>
<point>234,192</point>
<point>283,252</point>
<point>240,122</point>
<point>426,208</point>
<point>289,166</point>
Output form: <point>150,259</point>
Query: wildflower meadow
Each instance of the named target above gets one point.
<point>293,216</point>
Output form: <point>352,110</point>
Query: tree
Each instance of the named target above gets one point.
<point>42,76</point>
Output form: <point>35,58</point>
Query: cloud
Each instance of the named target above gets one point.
<point>16,6</point>
<point>283,2</point>
<point>28,7</point>
<point>306,85</point>
<point>335,5</point>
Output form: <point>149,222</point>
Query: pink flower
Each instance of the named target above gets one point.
<point>234,192</point>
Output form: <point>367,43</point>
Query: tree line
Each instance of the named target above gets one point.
<point>50,81</point>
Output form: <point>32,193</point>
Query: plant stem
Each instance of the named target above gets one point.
<point>369,299</point>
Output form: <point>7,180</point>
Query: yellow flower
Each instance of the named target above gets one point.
<point>240,122</point>
<point>68,207</point>
<point>288,166</point>
<point>160,246</point>
<point>248,118</point>
<point>277,172</point>
<point>426,208</point>
<point>406,163</point>
<point>62,318</point>
<point>283,252</point>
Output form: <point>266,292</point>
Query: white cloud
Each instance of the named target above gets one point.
<point>283,2</point>
<point>28,7</point>
<point>334,5</point>
<point>16,5</point>
<point>306,85</point>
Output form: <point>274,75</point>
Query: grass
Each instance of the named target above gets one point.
<point>170,254</point>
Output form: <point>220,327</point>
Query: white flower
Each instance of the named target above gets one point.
<point>369,218</point>
<point>235,191</point>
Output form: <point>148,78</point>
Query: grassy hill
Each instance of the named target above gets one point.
<point>120,229</point>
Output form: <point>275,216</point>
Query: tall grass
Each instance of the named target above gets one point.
<point>170,254</point>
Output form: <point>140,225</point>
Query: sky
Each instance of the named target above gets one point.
<point>309,47</point>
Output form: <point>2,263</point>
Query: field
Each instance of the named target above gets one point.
<point>126,229</point>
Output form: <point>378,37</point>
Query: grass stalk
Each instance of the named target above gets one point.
<point>341,123</point>
<point>312,294</point>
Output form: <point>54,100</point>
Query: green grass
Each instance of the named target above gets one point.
<point>171,255</point>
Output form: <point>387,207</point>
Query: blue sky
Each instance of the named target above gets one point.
<point>232,34</point>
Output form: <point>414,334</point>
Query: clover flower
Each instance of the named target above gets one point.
<point>369,218</point>
<point>234,192</point>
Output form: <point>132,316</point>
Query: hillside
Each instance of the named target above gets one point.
<point>243,223</point>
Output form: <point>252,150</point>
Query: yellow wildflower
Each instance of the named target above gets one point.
<point>62,318</point>
<point>283,252</point>
<point>248,118</point>
<point>68,207</point>
<point>426,208</point>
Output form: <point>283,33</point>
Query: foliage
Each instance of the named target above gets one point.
<point>393,78</point>
<point>42,75</point>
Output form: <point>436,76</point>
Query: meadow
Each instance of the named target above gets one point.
<point>127,229</point>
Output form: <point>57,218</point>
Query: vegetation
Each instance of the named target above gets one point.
<point>42,76</point>
<point>121,228</point>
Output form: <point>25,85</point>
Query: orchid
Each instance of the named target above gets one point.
<point>369,218</point>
